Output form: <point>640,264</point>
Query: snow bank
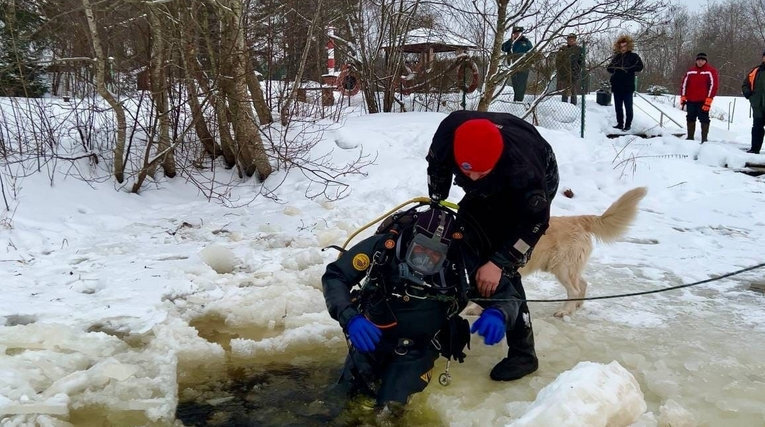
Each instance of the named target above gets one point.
<point>590,394</point>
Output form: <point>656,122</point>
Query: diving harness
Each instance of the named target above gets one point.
<point>418,274</point>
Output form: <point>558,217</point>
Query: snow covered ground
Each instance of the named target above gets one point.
<point>110,300</point>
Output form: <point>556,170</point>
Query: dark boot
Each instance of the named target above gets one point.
<point>758,134</point>
<point>619,126</point>
<point>704,132</point>
<point>691,130</point>
<point>521,358</point>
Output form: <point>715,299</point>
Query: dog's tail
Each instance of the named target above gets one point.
<point>617,218</point>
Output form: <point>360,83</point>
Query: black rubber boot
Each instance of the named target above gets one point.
<point>521,358</point>
<point>691,130</point>
<point>704,132</point>
<point>758,134</point>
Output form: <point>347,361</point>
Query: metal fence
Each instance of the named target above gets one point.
<point>548,109</point>
<point>545,103</point>
<point>542,105</point>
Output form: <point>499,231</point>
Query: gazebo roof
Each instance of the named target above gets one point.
<point>426,39</point>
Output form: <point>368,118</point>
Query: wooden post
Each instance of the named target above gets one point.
<point>327,96</point>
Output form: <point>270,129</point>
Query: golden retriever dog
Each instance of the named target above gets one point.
<point>566,246</point>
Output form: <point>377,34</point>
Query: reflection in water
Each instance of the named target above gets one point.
<point>287,395</point>
<point>277,395</point>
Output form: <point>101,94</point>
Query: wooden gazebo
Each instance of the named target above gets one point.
<point>427,42</point>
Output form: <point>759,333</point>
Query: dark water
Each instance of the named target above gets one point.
<point>280,395</point>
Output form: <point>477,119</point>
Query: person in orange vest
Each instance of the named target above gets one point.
<point>697,91</point>
<point>753,89</point>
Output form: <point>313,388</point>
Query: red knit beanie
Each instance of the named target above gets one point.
<point>477,145</point>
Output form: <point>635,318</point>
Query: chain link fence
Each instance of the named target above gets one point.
<point>547,109</point>
<point>436,87</point>
<point>545,102</point>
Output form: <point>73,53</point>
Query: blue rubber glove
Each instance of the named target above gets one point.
<point>491,326</point>
<point>364,334</point>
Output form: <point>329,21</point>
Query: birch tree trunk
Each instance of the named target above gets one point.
<point>212,36</point>
<point>197,115</point>
<point>257,95</point>
<point>188,52</point>
<point>285,112</point>
<point>250,151</point>
<point>493,79</point>
<point>159,93</point>
<point>119,112</point>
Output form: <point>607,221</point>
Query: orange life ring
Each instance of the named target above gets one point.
<point>348,81</point>
<point>467,88</point>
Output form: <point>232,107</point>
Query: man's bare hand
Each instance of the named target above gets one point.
<point>487,277</point>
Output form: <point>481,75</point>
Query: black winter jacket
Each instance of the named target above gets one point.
<point>623,67</point>
<point>753,89</point>
<point>506,212</point>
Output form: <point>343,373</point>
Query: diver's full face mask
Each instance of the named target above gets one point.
<point>426,255</point>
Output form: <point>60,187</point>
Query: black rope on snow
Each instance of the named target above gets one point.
<point>687,285</point>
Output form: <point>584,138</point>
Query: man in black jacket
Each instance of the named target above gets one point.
<point>510,176</point>
<point>622,67</point>
<point>411,286</point>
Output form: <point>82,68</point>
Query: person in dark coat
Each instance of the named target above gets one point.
<point>568,63</point>
<point>753,89</point>
<point>622,67</point>
<point>697,90</point>
<point>510,176</point>
<point>412,285</point>
<point>516,47</point>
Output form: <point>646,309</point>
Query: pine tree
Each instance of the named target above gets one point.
<point>21,49</point>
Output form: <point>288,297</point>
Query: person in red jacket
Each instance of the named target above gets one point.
<point>699,87</point>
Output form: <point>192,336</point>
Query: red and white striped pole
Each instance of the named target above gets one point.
<point>331,51</point>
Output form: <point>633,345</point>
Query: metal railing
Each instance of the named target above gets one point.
<point>661,112</point>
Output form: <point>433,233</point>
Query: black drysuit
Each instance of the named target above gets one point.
<point>417,323</point>
<point>506,212</point>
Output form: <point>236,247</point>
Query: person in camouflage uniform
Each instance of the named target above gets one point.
<point>568,63</point>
